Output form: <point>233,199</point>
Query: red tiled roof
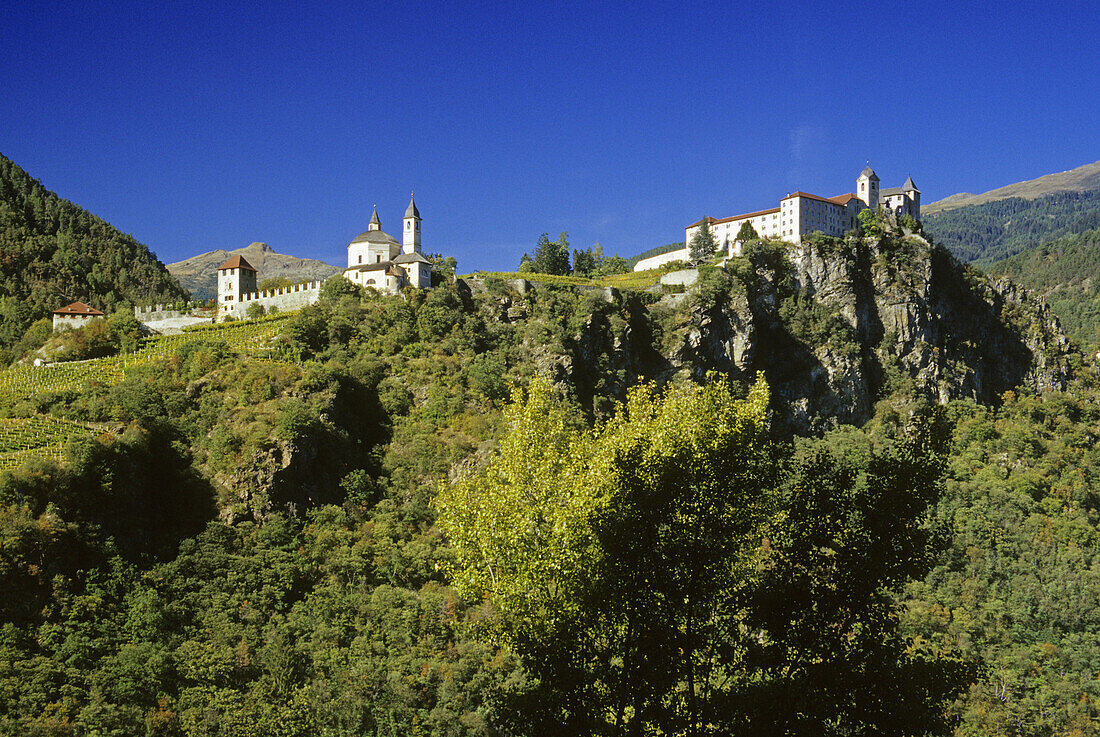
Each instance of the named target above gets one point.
<point>237,262</point>
<point>840,199</point>
<point>715,221</point>
<point>78,308</point>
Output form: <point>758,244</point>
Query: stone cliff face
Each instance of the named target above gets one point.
<point>836,327</point>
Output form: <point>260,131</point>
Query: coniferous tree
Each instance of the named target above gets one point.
<point>747,232</point>
<point>703,246</point>
<point>552,257</point>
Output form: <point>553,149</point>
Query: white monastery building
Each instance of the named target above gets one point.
<point>375,259</point>
<point>799,214</point>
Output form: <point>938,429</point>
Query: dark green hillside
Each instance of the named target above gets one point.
<point>515,508</point>
<point>997,229</point>
<point>655,251</point>
<point>52,253</point>
<point>1066,272</point>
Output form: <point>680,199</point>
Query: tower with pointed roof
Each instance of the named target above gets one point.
<point>903,200</point>
<point>913,194</point>
<point>867,187</point>
<point>410,232</point>
<point>376,259</point>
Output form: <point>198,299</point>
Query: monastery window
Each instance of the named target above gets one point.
<point>360,258</point>
<point>379,259</point>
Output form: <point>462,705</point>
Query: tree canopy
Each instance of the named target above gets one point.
<point>646,570</point>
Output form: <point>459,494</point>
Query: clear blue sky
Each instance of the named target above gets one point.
<point>197,126</point>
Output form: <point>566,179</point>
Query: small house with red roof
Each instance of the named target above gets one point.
<point>74,315</point>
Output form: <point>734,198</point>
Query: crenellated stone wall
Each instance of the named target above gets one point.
<point>293,297</point>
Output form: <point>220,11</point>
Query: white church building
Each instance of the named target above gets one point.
<point>375,259</point>
<point>799,214</point>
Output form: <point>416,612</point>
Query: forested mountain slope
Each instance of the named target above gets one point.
<point>994,230</point>
<point>1066,272</point>
<point>294,540</point>
<point>1082,179</point>
<point>52,253</point>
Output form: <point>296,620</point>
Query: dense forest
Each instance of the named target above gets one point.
<point>655,251</point>
<point>53,253</point>
<point>1064,272</point>
<point>458,513</point>
<point>995,230</point>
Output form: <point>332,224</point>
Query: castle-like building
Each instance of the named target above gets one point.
<point>799,214</point>
<point>375,259</point>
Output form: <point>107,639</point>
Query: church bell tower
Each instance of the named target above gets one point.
<point>867,187</point>
<point>410,231</point>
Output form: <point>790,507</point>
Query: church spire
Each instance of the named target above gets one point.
<point>411,211</point>
<point>410,236</point>
<point>375,223</point>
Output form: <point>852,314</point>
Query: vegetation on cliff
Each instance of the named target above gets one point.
<point>295,538</point>
<point>53,253</point>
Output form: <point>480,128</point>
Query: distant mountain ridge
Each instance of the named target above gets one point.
<point>1082,179</point>
<point>198,273</point>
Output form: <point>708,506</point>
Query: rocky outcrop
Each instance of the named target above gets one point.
<point>835,326</point>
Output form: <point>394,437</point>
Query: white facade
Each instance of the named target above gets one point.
<point>410,232</point>
<point>74,315</point>
<point>799,214</point>
<point>377,259</point>
<point>236,277</point>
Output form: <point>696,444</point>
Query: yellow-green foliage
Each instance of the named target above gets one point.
<point>523,527</point>
<point>40,436</point>
<point>26,382</point>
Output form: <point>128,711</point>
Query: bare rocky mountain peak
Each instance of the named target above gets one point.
<point>198,273</point>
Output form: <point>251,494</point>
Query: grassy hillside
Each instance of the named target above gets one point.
<point>52,252</point>
<point>995,230</point>
<point>1082,179</point>
<point>25,389</point>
